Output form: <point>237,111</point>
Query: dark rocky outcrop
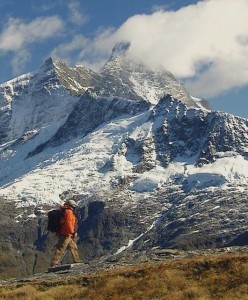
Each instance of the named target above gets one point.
<point>27,247</point>
<point>169,220</point>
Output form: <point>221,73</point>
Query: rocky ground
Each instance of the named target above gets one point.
<point>126,258</point>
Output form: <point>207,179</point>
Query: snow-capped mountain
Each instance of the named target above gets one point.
<point>44,99</point>
<point>135,140</point>
<point>129,79</point>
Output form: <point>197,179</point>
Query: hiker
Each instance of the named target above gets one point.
<point>66,233</point>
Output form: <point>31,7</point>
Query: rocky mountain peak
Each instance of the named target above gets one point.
<point>48,66</point>
<point>120,49</point>
<point>127,78</point>
<point>53,68</point>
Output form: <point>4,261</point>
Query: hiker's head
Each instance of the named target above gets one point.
<point>72,203</point>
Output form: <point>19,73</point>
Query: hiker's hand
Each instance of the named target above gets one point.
<point>75,234</point>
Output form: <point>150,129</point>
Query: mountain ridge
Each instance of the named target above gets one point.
<point>149,164</point>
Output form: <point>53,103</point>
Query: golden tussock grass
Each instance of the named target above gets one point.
<point>202,278</point>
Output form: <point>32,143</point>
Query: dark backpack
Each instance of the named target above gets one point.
<point>54,217</point>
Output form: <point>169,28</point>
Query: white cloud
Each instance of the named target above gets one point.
<point>81,50</point>
<point>77,17</point>
<point>166,6</point>
<point>204,44</point>
<point>17,34</point>
<point>66,51</point>
<point>19,61</point>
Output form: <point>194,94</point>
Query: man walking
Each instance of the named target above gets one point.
<point>66,234</point>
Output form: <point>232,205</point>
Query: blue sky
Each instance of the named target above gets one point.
<point>203,43</point>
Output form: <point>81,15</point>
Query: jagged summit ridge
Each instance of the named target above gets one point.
<point>120,49</point>
<point>120,77</point>
<point>49,63</point>
<point>130,79</point>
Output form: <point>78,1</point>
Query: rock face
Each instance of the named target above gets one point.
<point>150,166</point>
<point>129,79</point>
<point>27,247</point>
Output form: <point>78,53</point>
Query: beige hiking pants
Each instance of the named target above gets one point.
<point>63,243</point>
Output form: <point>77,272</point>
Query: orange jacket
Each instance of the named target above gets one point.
<point>68,222</point>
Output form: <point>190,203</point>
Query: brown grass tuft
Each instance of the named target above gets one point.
<point>202,278</point>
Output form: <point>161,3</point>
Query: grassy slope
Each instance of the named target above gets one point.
<point>217,277</point>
